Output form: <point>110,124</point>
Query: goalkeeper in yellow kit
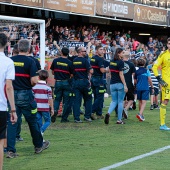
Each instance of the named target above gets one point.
<point>163,61</point>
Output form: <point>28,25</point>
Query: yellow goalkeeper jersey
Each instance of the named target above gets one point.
<point>163,61</point>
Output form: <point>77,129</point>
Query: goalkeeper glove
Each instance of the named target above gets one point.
<point>162,82</point>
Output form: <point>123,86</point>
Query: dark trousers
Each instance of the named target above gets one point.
<point>82,89</point>
<point>19,127</point>
<point>98,91</point>
<point>62,91</point>
<point>26,105</point>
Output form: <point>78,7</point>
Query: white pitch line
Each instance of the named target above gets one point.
<point>135,158</point>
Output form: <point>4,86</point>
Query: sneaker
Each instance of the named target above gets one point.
<point>19,139</point>
<point>78,121</point>
<point>157,107</point>
<point>164,127</point>
<point>64,121</point>
<point>134,105</point>
<point>11,154</point>
<point>46,144</point>
<point>100,117</point>
<point>125,113</point>
<point>87,119</point>
<point>93,117</point>
<point>140,117</point>
<point>151,107</point>
<point>120,122</point>
<point>106,119</point>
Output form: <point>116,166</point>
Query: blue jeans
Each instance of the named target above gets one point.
<point>62,91</point>
<point>26,105</point>
<point>47,120</point>
<point>82,89</point>
<point>118,94</point>
<point>98,91</point>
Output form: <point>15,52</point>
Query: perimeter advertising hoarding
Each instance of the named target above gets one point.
<point>76,6</point>
<point>150,15</point>
<point>33,3</point>
<point>114,8</point>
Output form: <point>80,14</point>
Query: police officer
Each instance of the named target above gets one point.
<point>82,87</point>
<point>62,70</point>
<point>97,82</point>
<point>25,78</point>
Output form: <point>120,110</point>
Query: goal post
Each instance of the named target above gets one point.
<point>42,33</point>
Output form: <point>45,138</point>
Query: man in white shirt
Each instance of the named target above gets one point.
<point>7,74</point>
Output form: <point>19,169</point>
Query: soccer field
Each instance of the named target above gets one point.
<point>93,146</point>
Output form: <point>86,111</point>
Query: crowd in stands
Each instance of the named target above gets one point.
<point>89,36</point>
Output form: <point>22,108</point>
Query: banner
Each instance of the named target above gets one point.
<point>71,44</point>
<point>150,15</point>
<point>114,8</point>
<point>77,6</point>
<point>33,3</point>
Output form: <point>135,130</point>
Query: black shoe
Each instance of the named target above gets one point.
<point>53,118</point>
<point>134,105</point>
<point>151,107</point>
<point>106,119</point>
<point>64,121</point>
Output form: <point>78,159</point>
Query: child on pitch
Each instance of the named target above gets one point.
<point>142,80</point>
<point>43,97</point>
<point>153,96</point>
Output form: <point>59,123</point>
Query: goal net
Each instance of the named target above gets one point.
<point>17,28</point>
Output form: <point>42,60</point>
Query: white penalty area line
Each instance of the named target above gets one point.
<point>135,158</point>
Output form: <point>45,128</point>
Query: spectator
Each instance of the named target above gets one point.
<point>7,74</point>
<point>151,45</point>
<point>117,86</point>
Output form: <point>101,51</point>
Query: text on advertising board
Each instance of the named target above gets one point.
<point>114,8</point>
<point>77,6</point>
<point>150,15</point>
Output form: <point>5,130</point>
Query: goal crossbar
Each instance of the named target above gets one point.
<point>42,33</point>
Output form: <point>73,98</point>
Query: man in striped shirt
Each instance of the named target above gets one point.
<point>43,97</point>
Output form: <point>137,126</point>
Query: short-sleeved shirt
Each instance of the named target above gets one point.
<point>115,67</point>
<point>71,58</point>
<point>25,68</point>
<point>7,73</point>
<point>36,62</point>
<point>141,75</point>
<point>97,63</point>
<point>150,48</point>
<point>128,70</point>
<point>81,68</point>
<point>62,68</point>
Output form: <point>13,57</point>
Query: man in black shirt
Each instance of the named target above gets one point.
<point>82,87</point>
<point>129,72</point>
<point>34,59</point>
<point>62,69</point>
<point>25,78</point>
<point>97,82</point>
